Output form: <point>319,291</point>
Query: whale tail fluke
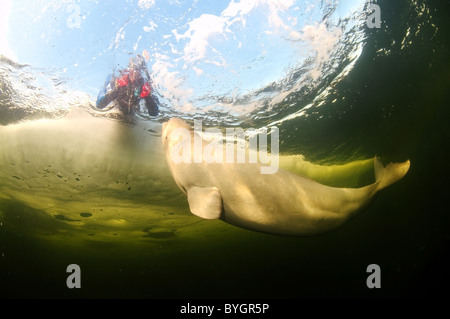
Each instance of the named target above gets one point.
<point>389,174</point>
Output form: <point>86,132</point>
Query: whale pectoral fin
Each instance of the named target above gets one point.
<point>205,202</point>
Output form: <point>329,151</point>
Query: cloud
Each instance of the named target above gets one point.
<point>198,71</point>
<point>206,26</point>
<point>152,27</point>
<point>323,41</point>
<point>170,81</point>
<point>275,7</point>
<point>242,8</point>
<point>200,30</point>
<point>146,4</point>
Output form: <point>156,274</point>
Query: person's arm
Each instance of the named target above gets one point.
<point>152,105</point>
<point>103,101</point>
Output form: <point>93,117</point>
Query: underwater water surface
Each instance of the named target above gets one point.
<point>90,187</point>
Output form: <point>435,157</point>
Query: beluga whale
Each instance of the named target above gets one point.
<point>282,203</point>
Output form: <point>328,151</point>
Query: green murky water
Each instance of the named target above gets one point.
<point>95,191</point>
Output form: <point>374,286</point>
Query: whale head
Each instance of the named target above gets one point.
<point>168,128</point>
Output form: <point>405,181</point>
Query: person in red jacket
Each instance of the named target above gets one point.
<point>130,87</point>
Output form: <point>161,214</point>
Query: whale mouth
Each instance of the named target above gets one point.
<point>164,131</point>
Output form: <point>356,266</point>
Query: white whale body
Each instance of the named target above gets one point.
<point>282,203</point>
